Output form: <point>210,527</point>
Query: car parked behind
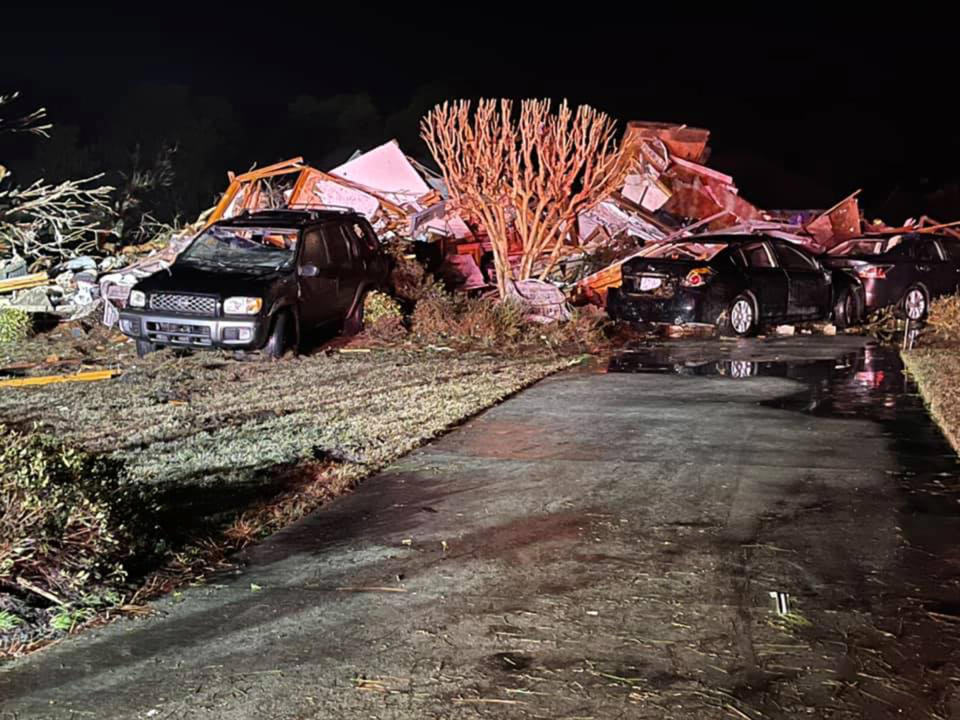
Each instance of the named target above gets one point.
<point>260,281</point>
<point>905,271</point>
<point>736,281</point>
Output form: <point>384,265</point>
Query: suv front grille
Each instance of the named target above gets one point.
<point>185,304</point>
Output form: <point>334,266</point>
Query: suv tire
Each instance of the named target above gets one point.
<point>145,347</point>
<point>279,339</point>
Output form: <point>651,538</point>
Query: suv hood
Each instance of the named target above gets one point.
<point>187,278</point>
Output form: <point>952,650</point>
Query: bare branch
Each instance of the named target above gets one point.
<point>29,123</point>
<point>525,177</point>
<point>53,220</point>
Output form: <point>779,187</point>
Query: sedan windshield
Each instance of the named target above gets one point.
<point>684,251</point>
<point>242,248</point>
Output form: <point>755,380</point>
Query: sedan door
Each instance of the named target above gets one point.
<point>767,280</point>
<point>951,251</point>
<point>809,287</point>
<point>934,270</point>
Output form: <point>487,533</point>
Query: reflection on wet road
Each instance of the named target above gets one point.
<point>866,383</point>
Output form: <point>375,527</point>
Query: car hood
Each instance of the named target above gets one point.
<point>188,278</point>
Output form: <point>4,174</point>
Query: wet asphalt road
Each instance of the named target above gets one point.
<point>602,545</point>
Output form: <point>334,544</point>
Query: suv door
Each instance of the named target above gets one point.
<point>809,287</point>
<point>318,292</point>
<point>357,276</point>
<point>341,264</point>
<point>766,279</point>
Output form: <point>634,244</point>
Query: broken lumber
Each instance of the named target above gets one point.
<point>23,282</point>
<point>49,379</point>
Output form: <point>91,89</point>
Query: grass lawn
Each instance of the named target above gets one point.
<point>238,448</point>
<point>936,371</point>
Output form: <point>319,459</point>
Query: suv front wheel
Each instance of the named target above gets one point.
<point>145,347</point>
<point>279,339</point>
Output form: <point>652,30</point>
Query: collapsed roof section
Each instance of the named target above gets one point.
<point>382,184</point>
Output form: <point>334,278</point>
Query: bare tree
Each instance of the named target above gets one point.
<point>44,220</point>
<point>529,175</point>
<point>139,184</point>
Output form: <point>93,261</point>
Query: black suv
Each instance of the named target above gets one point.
<point>260,280</point>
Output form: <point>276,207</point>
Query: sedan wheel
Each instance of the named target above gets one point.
<point>915,304</point>
<point>742,316</point>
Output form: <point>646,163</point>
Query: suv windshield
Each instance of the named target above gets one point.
<point>243,247</point>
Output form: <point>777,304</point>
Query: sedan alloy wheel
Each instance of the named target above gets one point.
<point>741,316</point>
<point>915,304</point>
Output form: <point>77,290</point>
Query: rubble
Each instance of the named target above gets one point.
<point>669,192</point>
<point>543,302</point>
<point>15,267</point>
<point>671,186</point>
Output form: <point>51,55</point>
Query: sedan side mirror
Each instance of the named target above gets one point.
<point>309,270</point>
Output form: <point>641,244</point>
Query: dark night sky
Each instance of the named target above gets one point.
<point>802,111</point>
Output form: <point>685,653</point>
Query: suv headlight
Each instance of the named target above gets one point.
<point>137,298</point>
<point>242,305</point>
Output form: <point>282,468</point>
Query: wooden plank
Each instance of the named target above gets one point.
<point>49,379</point>
<point>291,164</point>
<point>24,282</point>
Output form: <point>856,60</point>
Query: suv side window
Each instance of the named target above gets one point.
<point>371,240</point>
<point>338,254</point>
<point>314,250</point>
<point>353,236</point>
<point>793,259</point>
<point>361,238</point>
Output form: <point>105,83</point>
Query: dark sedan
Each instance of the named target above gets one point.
<point>735,281</point>
<point>905,271</point>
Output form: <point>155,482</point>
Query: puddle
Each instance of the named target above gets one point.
<point>866,383</point>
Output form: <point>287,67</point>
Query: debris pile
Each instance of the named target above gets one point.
<point>670,187</point>
<point>669,192</point>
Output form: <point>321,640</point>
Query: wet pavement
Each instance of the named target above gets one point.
<point>604,544</point>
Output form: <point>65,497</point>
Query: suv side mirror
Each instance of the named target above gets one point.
<point>309,270</point>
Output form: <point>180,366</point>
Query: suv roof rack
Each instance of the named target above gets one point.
<point>308,207</point>
<point>313,212</point>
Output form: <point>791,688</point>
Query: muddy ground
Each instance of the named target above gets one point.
<point>602,545</point>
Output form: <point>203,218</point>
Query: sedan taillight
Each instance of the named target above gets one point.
<point>873,272</point>
<point>697,277</point>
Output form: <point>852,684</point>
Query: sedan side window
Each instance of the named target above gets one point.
<point>952,249</point>
<point>793,259</point>
<point>927,250</point>
<point>758,256</point>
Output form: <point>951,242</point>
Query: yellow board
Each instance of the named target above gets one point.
<point>48,379</point>
<point>23,282</point>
